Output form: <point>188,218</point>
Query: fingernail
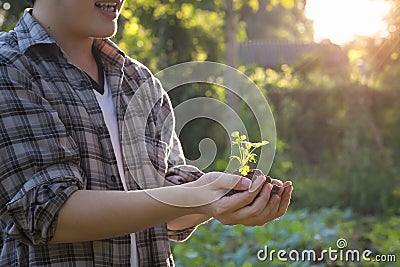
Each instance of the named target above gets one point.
<point>256,184</point>
<point>246,182</point>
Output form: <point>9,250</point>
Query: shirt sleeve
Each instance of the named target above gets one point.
<point>38,161</point>
<point>178,172</point>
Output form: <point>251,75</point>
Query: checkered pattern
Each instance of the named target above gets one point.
<point>53,141</point>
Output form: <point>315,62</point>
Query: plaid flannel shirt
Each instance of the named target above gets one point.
<point>53,141</point>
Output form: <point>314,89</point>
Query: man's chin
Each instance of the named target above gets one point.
<point>105,34</point>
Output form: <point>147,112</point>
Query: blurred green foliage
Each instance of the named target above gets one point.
<point>216,244</point>
<point>163,33</point>
<point>348,152</point>
<point>10,12</point>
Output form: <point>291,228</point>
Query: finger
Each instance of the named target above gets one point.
<point>231,204</point>
<point>250,213</point>
<point>285,201</point>
<point>243,184</point>
<point>272,208</point>
<point>276,182</point>
<point>269,211</point>
<point>263,197</point>
<point>230,181</point>
<point>256,185</point>
<point>284,186</point>
<point>287,183</point>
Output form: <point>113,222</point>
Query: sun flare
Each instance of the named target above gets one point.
<point>342,20</point>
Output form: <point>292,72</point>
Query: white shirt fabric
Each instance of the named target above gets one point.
<point>110,117</point>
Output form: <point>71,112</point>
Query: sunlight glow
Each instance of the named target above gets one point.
<point>342,20</point>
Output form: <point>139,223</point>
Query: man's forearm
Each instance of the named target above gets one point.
<point>93,215</point>
<point>187,221</point>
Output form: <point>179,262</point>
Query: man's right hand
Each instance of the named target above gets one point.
<point>254,206</point>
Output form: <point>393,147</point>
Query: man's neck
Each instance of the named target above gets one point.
<point>78,49</point>
<point>80,54</point>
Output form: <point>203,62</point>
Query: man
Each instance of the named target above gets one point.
<point>67,196</point>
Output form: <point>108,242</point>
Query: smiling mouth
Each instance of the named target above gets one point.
<point>107,6</point>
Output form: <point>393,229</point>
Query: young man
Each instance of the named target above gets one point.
<point>67,198</point>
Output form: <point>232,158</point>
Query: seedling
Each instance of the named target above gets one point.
<point>246,156</point>
<point>246,149</point>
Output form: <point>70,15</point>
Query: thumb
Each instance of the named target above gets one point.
<point>242,184</point>
<point>231,181</point>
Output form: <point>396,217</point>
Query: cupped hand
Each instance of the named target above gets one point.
<point>252,207</point>
<point>266,207</point>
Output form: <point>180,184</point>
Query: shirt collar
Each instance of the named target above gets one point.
<point>109,51</point>
<point>112,58</point>
<point>29,32</point>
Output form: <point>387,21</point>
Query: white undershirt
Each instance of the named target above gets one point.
<point>110,117</point>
